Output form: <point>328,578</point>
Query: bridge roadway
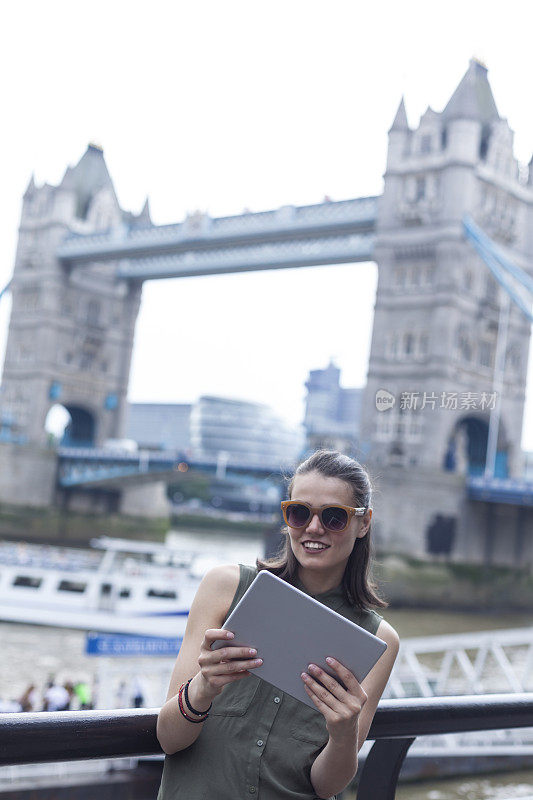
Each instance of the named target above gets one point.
<point>91,467</point>
<point>291,236</point>
<point>511,491</point>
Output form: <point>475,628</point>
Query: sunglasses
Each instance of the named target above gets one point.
<point>333,518</point>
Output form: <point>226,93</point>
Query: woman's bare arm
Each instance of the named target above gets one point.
<point>376,680</point>
<point>208,611</point>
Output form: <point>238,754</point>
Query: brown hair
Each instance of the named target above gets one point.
<point>359,588</point>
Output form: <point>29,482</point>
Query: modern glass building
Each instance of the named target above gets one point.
<point>332,412</point>
<point>243,432</point>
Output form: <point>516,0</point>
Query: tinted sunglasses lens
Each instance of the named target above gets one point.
<point>334,519</point>
<point>297,515</point>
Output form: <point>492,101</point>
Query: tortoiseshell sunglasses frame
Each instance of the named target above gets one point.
<point>350,511</point>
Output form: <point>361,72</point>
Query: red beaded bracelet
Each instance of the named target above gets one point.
<point>182,710</point>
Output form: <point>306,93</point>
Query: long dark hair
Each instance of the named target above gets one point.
<point>358,586</point>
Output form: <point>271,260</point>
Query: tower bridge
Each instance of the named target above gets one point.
<point>291,236</point>
<point>439,318</point>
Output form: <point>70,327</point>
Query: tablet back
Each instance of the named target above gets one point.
<point>292,630</point>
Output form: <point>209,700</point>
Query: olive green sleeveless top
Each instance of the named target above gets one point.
<point>257,741</point>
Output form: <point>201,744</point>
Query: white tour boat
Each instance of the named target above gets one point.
<point>121,586</point>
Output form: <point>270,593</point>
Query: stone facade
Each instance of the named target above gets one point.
<point>70,340</point>
<point>71,333</point>
<point>425,513</point>
<point>437,310</point>
<point>437,305</point>
<point>27,475</point>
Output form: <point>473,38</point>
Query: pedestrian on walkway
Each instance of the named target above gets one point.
<point>56,697</point>
<point>28,699</point>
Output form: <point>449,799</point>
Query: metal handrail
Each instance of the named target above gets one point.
<point>77,735</point>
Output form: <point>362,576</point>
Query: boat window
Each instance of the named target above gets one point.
<point>125,592</point>
<point>72,586</point>
<point>163,594</point>
<point>28,581</point>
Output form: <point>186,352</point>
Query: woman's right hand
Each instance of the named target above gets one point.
<point>221,666</point>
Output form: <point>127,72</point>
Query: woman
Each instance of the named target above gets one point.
<point>228,734</point>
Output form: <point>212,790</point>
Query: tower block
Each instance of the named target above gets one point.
<point>430,380</point>
<point>71,331</point>
<point>437,306</point>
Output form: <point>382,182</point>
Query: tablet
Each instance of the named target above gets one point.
<point>291,630</point>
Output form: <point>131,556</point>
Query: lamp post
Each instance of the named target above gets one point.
<point>497,385</point>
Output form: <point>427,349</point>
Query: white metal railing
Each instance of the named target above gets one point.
<point>468,663</point>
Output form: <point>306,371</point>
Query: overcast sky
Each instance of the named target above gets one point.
<point>222,106</point>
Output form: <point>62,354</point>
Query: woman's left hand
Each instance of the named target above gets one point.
<point>340,707</point>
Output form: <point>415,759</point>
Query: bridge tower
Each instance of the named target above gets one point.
<point>431,368</point>
<point>437,306</point>
<point>71,330</point>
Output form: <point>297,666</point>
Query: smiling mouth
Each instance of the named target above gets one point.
<point>314,547</point>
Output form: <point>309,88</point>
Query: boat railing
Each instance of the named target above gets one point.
<point>127,568</point>
<point>77,735</point>
<point>48,561</point>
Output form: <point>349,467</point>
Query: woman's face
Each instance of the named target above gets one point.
<point>317,490</point>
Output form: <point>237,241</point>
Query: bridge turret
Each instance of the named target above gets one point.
<point>71,330</point>
<point>437,306</point>
<point>399,136</point>
<point>145,217</point>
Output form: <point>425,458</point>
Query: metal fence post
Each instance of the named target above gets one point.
<point>381,769</point>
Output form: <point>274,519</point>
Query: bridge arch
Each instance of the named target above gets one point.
<point>466,451</point>
<point>71,425</point>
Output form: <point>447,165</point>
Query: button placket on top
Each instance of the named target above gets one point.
<point>270,700</point>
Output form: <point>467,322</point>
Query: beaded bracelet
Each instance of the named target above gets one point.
<point>182,710</point>
<point>188,702</point>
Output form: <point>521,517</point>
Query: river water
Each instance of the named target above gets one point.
<point>33,654</point>
<point>502,786</point>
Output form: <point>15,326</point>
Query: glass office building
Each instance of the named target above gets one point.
<point>242,432</point>
<point>332,412</point>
